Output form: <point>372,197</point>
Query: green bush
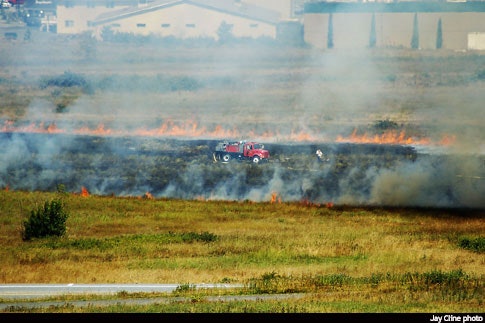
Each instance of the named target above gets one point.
<point>202,237</point>
<point>185,288</point>
<point>385,125</point>
<point>332,280</point>
<point>49,220</point>
<point>68,79</point>
<point>476,245</point>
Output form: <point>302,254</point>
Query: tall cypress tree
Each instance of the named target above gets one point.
<point>415,39</point>
<point>439,36</point>
<point>330,32</point>
<point>372,37</point>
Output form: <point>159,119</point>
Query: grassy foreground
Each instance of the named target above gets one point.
<point>345,259</point>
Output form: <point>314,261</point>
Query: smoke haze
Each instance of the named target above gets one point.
<point>155,115</point>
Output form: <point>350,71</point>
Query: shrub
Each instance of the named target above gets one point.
<point>202,237</point>
<point>68,79</point>
<point>49,220</point>
<point>481,75</point>
<point>61,108</point>
<point>476,245</point>
<point>385,125</point>
<point>332,280</point>
<point>185,288</point>
<point>440,277</point>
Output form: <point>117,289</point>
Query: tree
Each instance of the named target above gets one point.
<point>330,32</point>
<point>415,38</point>
<point>49,220</point>
<point>439,36</point>
<point>224,32</point>
<point>88,46</point>
<point>372,37</point>
<point>107,34</point>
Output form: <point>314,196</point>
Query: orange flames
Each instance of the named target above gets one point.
<point>307,202</point>
<point>275,198</point>
<point>193,129</point>
<point>148,196</point>
<point>84,192</point>
<point>389,137</point>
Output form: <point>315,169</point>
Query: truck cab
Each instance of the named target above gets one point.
<point>255,151</point>
<point>240,150</point>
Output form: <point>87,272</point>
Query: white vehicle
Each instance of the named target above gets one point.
<point>6,4</point>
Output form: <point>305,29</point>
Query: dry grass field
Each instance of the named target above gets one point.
<point>344,259</point>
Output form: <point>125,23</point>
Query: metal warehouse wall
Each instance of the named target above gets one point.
<point>395,29</point>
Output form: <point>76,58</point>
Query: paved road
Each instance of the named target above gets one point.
<point>27,294</point>
<point>32,291</point>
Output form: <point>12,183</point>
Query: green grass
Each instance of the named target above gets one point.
<point>342,258</point>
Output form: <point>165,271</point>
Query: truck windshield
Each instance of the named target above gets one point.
<point>258,146</point>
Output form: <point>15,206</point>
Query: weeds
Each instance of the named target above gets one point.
<point>193,236</point>
<point>184,288</point>
<point>473,244</point>
<point>130,240</point>
<point>452,285</point>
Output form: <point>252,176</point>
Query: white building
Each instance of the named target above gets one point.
<point>178,18</point>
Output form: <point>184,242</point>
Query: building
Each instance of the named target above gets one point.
<point>181,19</point>
<point>393,25</point>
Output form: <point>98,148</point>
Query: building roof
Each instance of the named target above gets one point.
<point>336,7</point>
<point>229,7</point>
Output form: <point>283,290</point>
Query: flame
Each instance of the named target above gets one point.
<point>148,196</point>
<point>275,198</point>
<point>84,192</point>
<point>307,202</point>
<point>99,131</point>
<point>301,136</point>
<point>190,129</point>
<point>388,137</point>
<point>168,128</point>
<point>7,188</point>
<point>8,126</point>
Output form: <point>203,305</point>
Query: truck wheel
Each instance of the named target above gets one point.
<point>226,158</point>
<point>256,159</point>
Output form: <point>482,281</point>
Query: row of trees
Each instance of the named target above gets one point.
<point>373,39</point>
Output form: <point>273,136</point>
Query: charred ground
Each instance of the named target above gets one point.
<point>184,168</point>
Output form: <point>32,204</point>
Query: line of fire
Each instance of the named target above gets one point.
<point>178,160</point>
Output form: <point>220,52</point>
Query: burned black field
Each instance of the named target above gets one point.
<point>351,174</point>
